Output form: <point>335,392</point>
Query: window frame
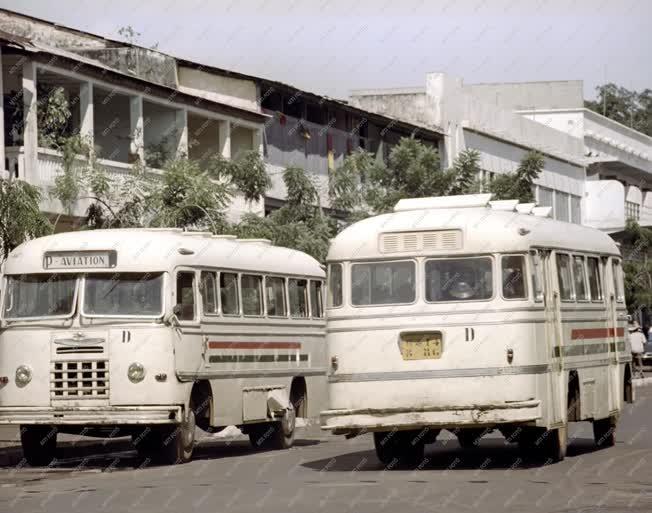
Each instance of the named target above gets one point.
<point>537,275</point>
<point>526,273</point>
<point>237,291</point>
<point>262,295</point>
<point>618,279</point>
<point>587,298</point>
<point>573,297</point>
<point>329,293</point>
<point>285,295</point>
<point>384,261</point>
<point>600,278</point>
<point>308,312</point>
<point>494,292</point>
<point>216,283</point>
<point>323,309</point>
<point>195,318</point>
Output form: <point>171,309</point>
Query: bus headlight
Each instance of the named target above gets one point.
<point>136,372</point>
<point>23,375</point>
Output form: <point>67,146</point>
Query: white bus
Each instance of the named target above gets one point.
<point>153,332</point>
<point>465,314</point>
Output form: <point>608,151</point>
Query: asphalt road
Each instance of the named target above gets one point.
<point>326,473</point>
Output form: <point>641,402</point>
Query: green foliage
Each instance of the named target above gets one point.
<point>466,169</point>
<point>518,185</point>
<point>53,115</point>
<point>630,108</point>
<point>636,244</point>
<point>20,216</point>
<point>247,174</point>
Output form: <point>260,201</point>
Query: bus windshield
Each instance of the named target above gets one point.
<point>40,295</point>
<point>123,295</point>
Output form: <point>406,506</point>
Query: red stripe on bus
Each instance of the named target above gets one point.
<point>587,333</point>
<point>254,345</point>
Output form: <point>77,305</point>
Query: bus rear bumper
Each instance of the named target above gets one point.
<point>347,421</point>
<point>91,416</point>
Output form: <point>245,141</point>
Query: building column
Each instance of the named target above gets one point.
<point>257,140</point>
<point>137,146</point>
<point>86,109</point>
<point>225,139</point>
<point>182,130</point>
<point>30,124</point>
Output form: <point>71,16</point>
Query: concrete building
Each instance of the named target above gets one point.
<point>597,172</point>
<point>138,104</point>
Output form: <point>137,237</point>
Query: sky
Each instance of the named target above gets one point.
<point>331,47</point>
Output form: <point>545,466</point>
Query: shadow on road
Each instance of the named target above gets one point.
<point>449,456</point>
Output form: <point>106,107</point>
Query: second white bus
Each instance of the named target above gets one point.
<point>463,314</point>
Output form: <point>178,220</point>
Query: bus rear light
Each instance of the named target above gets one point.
<point>161,376</point>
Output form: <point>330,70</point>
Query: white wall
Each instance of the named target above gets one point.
<point>603,206</point>
<point>232,91</point>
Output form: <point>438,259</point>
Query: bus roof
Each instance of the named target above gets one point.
<point>422,227</point>
<point>157,250</point>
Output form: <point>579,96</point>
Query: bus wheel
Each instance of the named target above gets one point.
<point>274,435</point>
<point>604,432</point>
<point>469,438</point>
<point>39,444</point>
<point>399,448</point>
<point>553,443</point>
<point>178,442</point>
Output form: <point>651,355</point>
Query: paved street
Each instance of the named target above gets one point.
<point>325,473</point>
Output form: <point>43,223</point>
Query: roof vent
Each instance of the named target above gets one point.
<point>224,237</point>
<point>266,242</point>
<point>414,242</point>
<point>508,205</point>
<point>463,201</point>
<point>542,211</point>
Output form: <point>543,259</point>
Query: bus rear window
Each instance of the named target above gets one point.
<point>40,295</point>
<point>123,294</point>
<point>461,279</point>
<point>382,283</point>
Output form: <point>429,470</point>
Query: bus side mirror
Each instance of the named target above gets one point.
<point>172,319</point>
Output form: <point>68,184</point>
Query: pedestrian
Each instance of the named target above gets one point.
<point>637,342</point>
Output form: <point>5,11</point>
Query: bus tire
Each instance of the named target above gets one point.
<point>274,435</point>
<point>553,443</point>
<point>39,444</point>
<point>604,432</point>
<point>178,442</point>
<point>469,438</point>
<point>399,448</point>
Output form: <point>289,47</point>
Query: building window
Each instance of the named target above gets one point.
<point>632,210</point>
<point>561,206</point>
<point>545,197</point>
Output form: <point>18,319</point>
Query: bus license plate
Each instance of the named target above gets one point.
<point>420,346</point>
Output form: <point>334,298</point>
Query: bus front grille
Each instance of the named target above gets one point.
<point>83,379</point>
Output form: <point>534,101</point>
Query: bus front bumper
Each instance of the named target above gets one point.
<point>350,421</point>
<point>90,415</point>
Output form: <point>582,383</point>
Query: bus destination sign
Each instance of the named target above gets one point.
<point>79,260</point>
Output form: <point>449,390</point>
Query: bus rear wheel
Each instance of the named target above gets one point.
<point>274,435</point>
<point>604,432</point>
<point>39,444</point>
<point>399,448</point>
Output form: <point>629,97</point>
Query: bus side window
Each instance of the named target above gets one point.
<point>229,294</point>
<point>316,298</point>
<point>335,285</point>
<point>581,292</point>
<point>513,271</point>
<point>537,275</point>
<point>298,292</point>
<point>252,295</point>
<point>208,293</point>
<point>595,284</point>
<point>617,272</point>
<point>275,296</point>
<point>186,296</point>
<point>564,276</point>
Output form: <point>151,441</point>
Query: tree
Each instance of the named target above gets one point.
<point>364,186</point>
<point>519,185</point>
<point>637,268</point>
<point>20,216</point>
<point>631,108</point>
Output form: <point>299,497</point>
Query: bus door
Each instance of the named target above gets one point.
<point>188,347</point>
<point>554,337</point>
